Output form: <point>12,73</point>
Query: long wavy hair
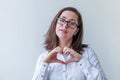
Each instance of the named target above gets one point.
<point>51,39</point>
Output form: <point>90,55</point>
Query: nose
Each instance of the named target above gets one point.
<point>65,25</point>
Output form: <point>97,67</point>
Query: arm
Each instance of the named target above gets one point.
<point>40,69</point>
<point>90,66</point>
<point>43,62</point>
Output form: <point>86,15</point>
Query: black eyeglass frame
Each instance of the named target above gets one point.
<point>66,22</point>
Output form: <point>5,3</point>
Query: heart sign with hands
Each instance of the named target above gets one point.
<point>74,56</point>
<point>64,56</point>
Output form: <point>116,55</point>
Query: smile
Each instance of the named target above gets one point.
<point>64,31</point>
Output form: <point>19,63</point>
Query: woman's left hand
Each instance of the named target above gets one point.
<point>75,57</point>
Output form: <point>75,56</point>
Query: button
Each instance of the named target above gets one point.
<point>87,73</point>
<point>44,65</point>
<point>80,64</point>
<point>41,75</point>
<point>50,67</point>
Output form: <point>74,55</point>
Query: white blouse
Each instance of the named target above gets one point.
<point>88,68</point>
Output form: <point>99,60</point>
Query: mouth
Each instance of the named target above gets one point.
<point>63,30</point>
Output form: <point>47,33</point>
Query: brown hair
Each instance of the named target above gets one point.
<point>51,39</point>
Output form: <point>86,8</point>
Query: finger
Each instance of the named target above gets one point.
<point>66,50</point>
<point>58,49</point>
<point>70,60</point>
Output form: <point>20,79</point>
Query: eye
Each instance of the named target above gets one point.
<point>72,23</point>
<point>62,20</point>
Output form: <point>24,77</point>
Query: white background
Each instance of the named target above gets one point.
<point>23,24</point>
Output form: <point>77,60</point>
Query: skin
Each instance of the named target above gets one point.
<point>65,34</point>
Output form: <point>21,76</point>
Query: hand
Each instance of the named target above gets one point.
<point>52,56</point>
<point>75,57</point>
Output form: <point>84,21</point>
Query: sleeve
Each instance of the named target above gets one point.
<point>91,66</point>
<point>40,69</point>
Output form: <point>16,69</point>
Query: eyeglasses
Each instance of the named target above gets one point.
<point>70,24</point>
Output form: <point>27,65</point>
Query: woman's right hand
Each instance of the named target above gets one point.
<point>52,56</point>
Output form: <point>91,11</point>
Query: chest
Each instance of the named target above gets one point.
<point>71,71</point>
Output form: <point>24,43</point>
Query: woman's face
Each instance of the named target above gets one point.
<point>66,26</point>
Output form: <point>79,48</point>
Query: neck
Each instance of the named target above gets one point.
<point>63,44</point>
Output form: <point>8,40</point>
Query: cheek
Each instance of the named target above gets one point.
<point>73,32</point>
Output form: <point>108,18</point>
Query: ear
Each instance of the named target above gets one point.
<point>76,31</point>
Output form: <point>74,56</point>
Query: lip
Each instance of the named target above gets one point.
<point>63,30</point>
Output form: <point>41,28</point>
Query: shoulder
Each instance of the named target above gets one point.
<point>88,49</point>
<point>42,56</point>
<point>88,52</point>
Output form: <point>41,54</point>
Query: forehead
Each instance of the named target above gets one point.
<point>69,15</point>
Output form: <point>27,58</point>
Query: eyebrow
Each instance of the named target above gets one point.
<point>69,19</point>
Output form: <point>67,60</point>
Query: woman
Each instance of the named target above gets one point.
<point>66,58</point>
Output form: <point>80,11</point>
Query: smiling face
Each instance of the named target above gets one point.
<point>64,29</point>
